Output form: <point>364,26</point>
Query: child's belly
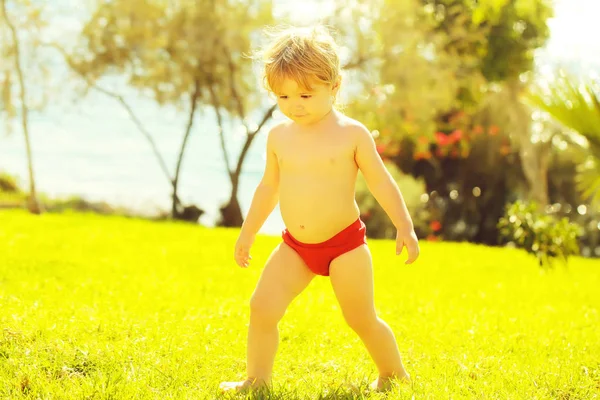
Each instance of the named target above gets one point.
<point>315,210</point>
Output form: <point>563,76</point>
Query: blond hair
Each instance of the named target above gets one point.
<point>306,55</point>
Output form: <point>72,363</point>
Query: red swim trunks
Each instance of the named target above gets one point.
<point>318,256</point>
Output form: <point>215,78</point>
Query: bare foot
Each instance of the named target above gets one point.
<point>241,386</point>
<point>382,384</point>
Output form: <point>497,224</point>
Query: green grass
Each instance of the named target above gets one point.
<point>113,308</point>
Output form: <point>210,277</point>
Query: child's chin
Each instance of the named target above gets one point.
<point>303,122</point>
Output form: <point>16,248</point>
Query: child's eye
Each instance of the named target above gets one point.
<point>283,97</point>
<point>306,96</point>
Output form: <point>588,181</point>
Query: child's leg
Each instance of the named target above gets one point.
<point>284,277</point>
<point>352,281</point>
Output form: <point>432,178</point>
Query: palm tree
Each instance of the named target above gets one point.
<point>576,105</point>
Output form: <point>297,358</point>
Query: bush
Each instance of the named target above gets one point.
<point>538,233</point>
<point>8,183</point>
<point>10,194</point>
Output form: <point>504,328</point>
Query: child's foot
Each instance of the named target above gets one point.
<point>241,386</point>
<point>382,384</point>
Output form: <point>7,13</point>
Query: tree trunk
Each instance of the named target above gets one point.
<point>176,210</point>
<point>231,213</point>
<point>534,156</point>
<point>32,201</point>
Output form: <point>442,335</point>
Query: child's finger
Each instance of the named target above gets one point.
<point>241,260</point>
<point>399,248</point>
<point>242,257</point>
<point>413,253</point>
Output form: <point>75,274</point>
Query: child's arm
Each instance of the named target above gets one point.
<point>266,195</point>
<point>386,192</point>
<point>264,201</point>
<point>380,182</point>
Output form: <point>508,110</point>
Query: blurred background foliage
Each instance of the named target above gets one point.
<point>464,122</point>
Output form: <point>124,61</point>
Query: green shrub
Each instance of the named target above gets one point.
<point>8,183</point>
<point>11,194</point>
<point>538,233</point>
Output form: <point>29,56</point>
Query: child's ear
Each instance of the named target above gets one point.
<point>336,85</point>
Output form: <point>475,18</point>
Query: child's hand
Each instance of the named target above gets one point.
<point>242,250</point>
<point>408,239</point>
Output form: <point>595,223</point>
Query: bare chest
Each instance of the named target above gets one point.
<point>323,157</point>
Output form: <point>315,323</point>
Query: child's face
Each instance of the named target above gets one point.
<point>305,106</point>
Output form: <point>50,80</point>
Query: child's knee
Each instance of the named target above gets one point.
<point>360,322</point>
<point>265,309</point>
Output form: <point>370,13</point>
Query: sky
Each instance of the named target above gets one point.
<point>574,33</point>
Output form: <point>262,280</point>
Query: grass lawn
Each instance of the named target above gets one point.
<point>113,308</point>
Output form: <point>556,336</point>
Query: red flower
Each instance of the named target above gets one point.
<point>380,148</point>
<point>432,238</point>
<point>435,225</point>
<point>442,139</point>
<point>423,139</point>
<point>493,130</point>
<point>478,130</point>
<point>456,135</point>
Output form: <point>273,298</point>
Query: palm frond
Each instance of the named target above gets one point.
<point>575,105</point>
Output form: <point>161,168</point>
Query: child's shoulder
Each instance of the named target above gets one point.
<point>353,127</point>
<point>278,130</point>
<point>350,123</point>
<point>281,127</point>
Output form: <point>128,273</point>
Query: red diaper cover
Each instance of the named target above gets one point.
<point>318,256</point>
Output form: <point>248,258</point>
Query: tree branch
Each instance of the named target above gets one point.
<point>266,117</point>
<point>250,138</point>
<point>241,113</point>
<point>217,106</point>
<point>125,105</point>
<point>193,104</point>
<point>359,62</point>
<point>33,204</point>
<point>234,92</point>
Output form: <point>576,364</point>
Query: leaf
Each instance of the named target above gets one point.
<point>576,106</point>
<point>588,182</point>
<point>478,15</point>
